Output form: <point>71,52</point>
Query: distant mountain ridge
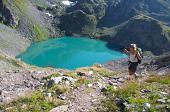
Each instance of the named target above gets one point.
<point>119,11</point>
<point>109,20</point>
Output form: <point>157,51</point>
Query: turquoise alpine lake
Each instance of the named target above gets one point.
<point>69,53</point>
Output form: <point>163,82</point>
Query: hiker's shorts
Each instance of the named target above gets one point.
<point>133,66</point>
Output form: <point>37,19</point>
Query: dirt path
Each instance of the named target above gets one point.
<point>86,97</point>
<point>82,99</point>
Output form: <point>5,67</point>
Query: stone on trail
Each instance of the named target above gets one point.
<point>57,79</point>
<point>49,94</point>
<point>145,91</point>
<point>90,73</point>
<point>164,93</point>
<point>103,89</point>
<point>81,74</point>
<point>112,83</point>
<point>168,101</point>
<point>100,85</point>
<point>62,108</point>
<point>90,85</point>
<point>146,107</point>
<point>161,101</point>
<point>86,74</point>
<point>69,79</point>
<point>115,87</point>
<point>62,97</point>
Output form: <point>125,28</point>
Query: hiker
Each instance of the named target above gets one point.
<point>135,58</point>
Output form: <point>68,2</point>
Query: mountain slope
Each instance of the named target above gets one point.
<point>146,32</point>
<point>119,11</point>
<point>11,42</point>
<point>23,16</point>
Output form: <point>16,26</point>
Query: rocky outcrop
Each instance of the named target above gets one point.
<point>146,32</point>
<point>78,22</point>
<point>7,17</point>
<point>162,61</point>
<point>119,11</point>
<point>92,7</point>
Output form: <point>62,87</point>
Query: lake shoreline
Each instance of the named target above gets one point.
<point>69,53</point>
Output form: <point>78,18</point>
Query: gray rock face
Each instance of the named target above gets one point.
<point>162,61</point>
<point>78,22</point>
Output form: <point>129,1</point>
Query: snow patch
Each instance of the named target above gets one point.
<point>66,2</point>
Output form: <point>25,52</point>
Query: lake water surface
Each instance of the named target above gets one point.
<point>69,53</point>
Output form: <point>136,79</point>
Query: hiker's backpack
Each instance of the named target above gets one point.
<point>141,54</point>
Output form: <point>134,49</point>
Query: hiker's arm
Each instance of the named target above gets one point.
<point>126,51</point>
<point>139,56</point>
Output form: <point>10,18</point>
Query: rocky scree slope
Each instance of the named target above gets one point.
<point>12,43</point>
<point>25,18</point>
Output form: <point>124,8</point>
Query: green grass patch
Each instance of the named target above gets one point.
<point>53,75</point>
<point>41,34</point>
<point>104,72</point>
<point>81,81</point>
<point>159,79</point>
<point>58,89</point>
<point>38,102</point>
<point>132,92</point>
<point>131,89</point>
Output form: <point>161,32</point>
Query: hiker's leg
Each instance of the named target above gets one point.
<point>133,75</point>
<point>132,70</point>
<point>130,75</point>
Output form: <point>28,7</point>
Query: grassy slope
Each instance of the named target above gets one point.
<point>131,92</point>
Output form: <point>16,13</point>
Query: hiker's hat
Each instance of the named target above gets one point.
<point>133,46</point>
